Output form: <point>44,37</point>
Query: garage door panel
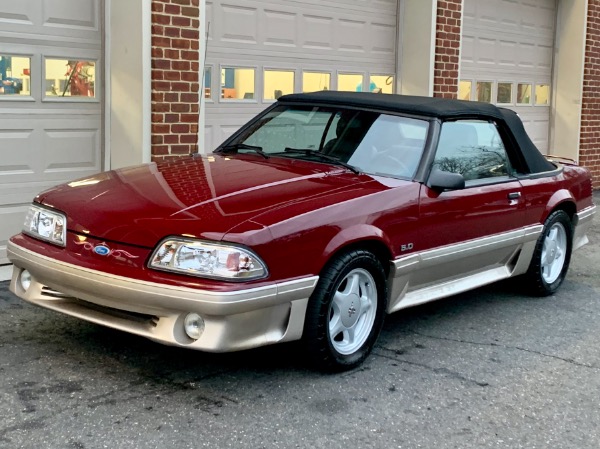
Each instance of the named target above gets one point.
<point>240,24</point>
<point>23,13</point>
<point>69,18</point>
<point>281,28</point>
<point>12,218</point>
<point>317,32</point>
<point>536,123</point>
<point>506,54</point>
<point>349,36</point>
<point>383,37</point>
<point>71,150</point>
<point>328,28</point>
<point>17,151</point>
<point>80,14</point>
<point>512,42</point>
<point>45,138</point>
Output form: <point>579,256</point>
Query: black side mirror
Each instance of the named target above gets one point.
<point>443,180</point>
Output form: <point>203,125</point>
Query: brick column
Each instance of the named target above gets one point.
<point>589,140</point>
<point>447,48</point>
<point>175,78</point>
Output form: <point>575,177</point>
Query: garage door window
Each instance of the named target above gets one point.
<point>208,83</point>
<point>237,83</point>
<point>70,78</point>
<point>315,81</point>
<point>542,94</point>
<point>382,84</point>
<point>278,83</point>
<point>484,91</point>
<point>523,93</point>
<point>464,90</point>
<point>505,93</point>
<point>14,76</point>
<point>350,82</point>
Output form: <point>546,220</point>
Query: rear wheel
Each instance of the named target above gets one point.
<point>346,311</point>
<point>552,255</point>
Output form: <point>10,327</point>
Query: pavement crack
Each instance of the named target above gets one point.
<point>501,345</point>
<point>444,371</point>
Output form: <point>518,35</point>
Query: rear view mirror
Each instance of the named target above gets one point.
<point>443,180</point>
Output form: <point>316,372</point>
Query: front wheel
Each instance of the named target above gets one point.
<point>346,311</point>
<point>552,255</point>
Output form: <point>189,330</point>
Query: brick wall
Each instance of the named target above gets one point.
<point>447,48</point>
<point>589,143</point>
<point>175,78</point>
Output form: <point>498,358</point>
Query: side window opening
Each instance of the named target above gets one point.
<point>473,149</point>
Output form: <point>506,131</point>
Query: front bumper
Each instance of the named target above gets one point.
<point>234,320</point>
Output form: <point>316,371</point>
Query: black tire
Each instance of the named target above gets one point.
<point>541,280</point>
<point>350,275</point>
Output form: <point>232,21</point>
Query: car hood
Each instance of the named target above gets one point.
<point>201,197</point>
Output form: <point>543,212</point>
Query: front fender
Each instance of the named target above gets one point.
<point>357,233</point>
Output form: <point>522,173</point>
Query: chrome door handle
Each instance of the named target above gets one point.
<point>514,195</point>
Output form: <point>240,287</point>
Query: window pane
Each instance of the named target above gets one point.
<point>350,82</point>
<point>207,82</point>
<point>14,76</point>
<point>484,91</point>
<point>392,146</point>
<point>472,149</point>
<point>542,94</point>
<point>505,91</point>
<point>278,83</point>
<point>383,84</point>
<point>70,78</point>
<point>375,143</point>
<point>464,90</point>
<point>237,83</point>
<point>283,128</point>
<point>523,93</point>
<point>314,81</point>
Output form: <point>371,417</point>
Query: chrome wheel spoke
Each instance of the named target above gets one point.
<point>350,335</point>
<point>353,286</point>
<point>335,326</point>
<point>365,304</point>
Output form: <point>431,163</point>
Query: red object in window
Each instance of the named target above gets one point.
<point>26,72</point>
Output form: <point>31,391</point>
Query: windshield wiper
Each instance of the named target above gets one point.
<point>234,147</point>
<point>324,157</point>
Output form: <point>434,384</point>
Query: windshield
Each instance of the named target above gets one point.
<point>370,142</point>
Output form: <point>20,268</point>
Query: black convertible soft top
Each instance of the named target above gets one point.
<point>442,108</point>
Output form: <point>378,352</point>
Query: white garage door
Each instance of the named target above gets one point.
<point>506,58</point>
<point>259,50</point>
<point>50,100</point>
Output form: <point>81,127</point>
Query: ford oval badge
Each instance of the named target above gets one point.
<point>102,250</point>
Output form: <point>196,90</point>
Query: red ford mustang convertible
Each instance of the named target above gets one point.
<point>319,217</point>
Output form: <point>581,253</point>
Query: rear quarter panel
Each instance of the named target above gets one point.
<point>569,189</point>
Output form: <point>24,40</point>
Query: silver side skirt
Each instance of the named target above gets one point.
<point>452,269</point>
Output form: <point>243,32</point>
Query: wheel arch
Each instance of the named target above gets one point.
<point>561,200</point>
<point>366,237</point>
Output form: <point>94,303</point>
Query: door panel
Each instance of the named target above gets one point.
<point>459,221</point>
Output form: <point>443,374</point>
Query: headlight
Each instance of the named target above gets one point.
<point>204,259</point>
<point>46,224</point>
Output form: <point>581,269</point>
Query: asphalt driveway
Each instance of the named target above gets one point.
<point>490,368</point>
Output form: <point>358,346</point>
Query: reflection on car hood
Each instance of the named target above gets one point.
<point>196,196</point>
